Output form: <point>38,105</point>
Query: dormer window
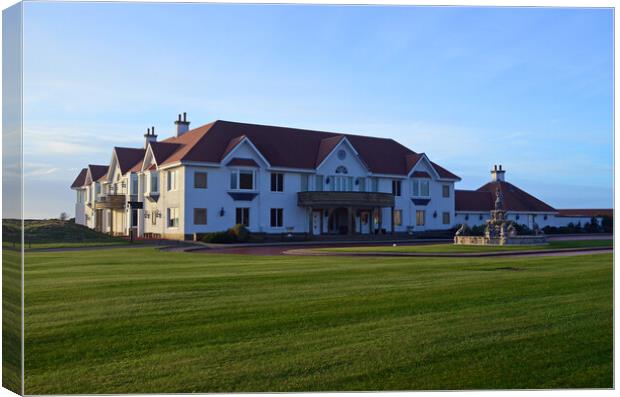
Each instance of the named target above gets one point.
<point>242,180</point>
<point>420,187</point>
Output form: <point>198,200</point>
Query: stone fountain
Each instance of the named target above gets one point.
<point>499,230</point>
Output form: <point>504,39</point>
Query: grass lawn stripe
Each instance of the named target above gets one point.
<point>453,248</point>
<point>178,322</point>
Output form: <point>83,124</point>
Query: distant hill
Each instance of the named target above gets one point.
<point>52,231</point>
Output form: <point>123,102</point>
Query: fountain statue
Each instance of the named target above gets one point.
<point>499,230</point>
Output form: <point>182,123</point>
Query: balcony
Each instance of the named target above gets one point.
<point>345,199</point>
<point>110,201</point>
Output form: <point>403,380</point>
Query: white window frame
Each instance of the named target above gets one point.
<point>172,180</point>
<point>172,213</point>
<point>400,217</point>
<point>149,182</point>
<point>206,217</point>
<point>417,220</point>
<point>419,182</point>
<point>279,187</point>
<point>236,173</point>
<point>281,218</point>
<point>443,188</point>
<point>206,174</point>
<point>443,219</point>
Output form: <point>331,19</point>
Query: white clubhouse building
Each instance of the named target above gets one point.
<point>282,180</point>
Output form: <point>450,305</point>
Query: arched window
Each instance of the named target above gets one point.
<point>341,170</point>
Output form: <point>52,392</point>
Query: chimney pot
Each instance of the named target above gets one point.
<point>182,124</point>
<point>149,136</point>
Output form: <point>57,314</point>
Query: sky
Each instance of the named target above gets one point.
<point>528,88</point>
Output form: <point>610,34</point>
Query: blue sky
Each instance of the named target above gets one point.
<point>530,88</point>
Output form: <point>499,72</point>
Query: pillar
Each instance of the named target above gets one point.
<point>310,225</point>
<point>349,220</point>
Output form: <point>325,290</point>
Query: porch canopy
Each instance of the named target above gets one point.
<point>350,200</point>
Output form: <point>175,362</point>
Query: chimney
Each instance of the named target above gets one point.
<point>149,136</point>
<point>497,174</point>
<point>182,125</point>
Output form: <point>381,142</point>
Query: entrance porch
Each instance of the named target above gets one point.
<point>347,213</point>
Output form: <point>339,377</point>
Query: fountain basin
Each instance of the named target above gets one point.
<point>511,240</point>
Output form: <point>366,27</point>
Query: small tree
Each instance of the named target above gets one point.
<point>63,216</point>
<point>593,226</point>
<point>607,223</point>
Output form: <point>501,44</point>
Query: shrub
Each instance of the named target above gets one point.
<point>477,230</point>
<point>236,234</point>
<point>607,224</point>
<point>239,232</point>
<point>522,230</point>
<point>218,238</point>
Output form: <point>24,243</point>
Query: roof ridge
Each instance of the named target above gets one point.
<point>344,134</point>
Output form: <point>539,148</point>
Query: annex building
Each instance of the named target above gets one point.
<point>285,180</point>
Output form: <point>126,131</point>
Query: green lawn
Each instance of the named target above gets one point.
<point>141,320</point>
<point>69,244</point>
<point>453,248</point>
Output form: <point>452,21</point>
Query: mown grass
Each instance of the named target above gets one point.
<point>454,248</point>
<point>11,321</point>
<point>141,320</point>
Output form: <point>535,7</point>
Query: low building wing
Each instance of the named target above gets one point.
<point>473,201</point>
<point>516,199</point>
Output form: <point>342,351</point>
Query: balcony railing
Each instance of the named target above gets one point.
<point>345,199</point>
<point>113,201</point>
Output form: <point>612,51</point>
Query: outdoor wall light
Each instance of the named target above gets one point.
<point>357,181</point>
<point>158,214</point>
<point>327,181</point>
<point>222,212</point>
<point>517,217</point>
<point>480,217</point>
<point>545,217</point>
<point>435,214</point>
<point>466,217</point>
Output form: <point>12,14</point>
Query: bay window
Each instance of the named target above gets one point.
<point>420,188</point>
<point>242,180</point>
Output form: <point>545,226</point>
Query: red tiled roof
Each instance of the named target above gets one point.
<point>128,158</point>
<point>589,212</point>
<point>444,173</point>
<point>289,147</point>
<point>412,159</point>
<point>163,150</point>
<point>243,162</point>
<point>325,148</point>
<point>516,199</point>
<point>97,171</point>
<point>80,179</point>
<point>421,174</point>
<point>472,200</point>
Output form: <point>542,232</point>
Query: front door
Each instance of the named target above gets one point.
<point>316,222</point>
<point>364,220</point>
